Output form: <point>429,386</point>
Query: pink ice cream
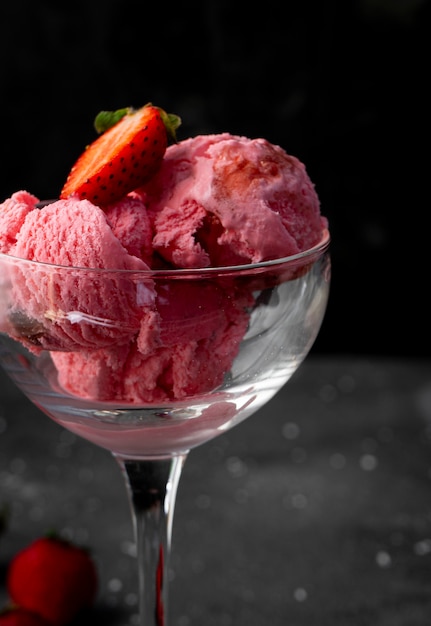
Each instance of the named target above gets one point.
<point>217,200</point>
<point>199,328</point>
<point>225,200</point>
<point>68,310</point>
<point>13,212</point>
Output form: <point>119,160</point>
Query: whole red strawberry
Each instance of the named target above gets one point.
<point>127,153</point>
<point>20,617</point>
<point>53,578</point>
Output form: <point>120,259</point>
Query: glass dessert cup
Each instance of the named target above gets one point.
<point>151,364</point>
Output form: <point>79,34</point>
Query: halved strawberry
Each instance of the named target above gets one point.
<point>127,153</point>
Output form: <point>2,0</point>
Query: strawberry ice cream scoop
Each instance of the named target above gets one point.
<point>199,339</point>
<point>130,223</point>
<point>13,212</point>
<point>224,199</point>
<point>67,309</point>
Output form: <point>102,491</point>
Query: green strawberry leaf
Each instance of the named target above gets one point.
<point>106,119</point>
<point>171,122</point>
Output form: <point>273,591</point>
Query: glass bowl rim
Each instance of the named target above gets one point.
<point>300,258</point>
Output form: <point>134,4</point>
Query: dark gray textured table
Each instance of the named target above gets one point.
<point>316,511</point>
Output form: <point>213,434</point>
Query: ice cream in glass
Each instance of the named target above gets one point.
<point>167,294</point>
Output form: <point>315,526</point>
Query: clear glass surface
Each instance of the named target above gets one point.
<point>151,364</point>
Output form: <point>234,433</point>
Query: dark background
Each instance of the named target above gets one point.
<point>342,85</point>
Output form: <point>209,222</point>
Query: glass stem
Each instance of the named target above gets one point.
<point>152,486</point>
